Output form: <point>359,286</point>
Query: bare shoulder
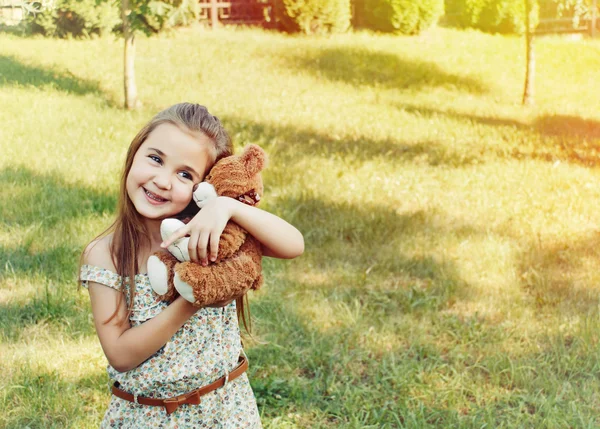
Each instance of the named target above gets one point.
<point>97,253</point>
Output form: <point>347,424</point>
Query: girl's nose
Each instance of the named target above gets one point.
<point>162,181</point>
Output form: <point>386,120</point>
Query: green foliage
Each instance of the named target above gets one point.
<point>77,18</point>
<point>491,16</point>
<point>82,18</point>
<point>153,16</point>
<point>575,9</point>
<point>401,16</point>
<point>313,16</point>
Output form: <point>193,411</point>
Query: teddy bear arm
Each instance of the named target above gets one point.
<point>220,282</point>
<point>232,238</point>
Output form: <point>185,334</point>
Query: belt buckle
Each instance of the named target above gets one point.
<point>226,380</point>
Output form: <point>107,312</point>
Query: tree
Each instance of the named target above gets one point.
<point>149,17</point>
<point>131,97</point>
<point>530,55</point>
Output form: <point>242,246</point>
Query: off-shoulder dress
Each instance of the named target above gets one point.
<point>204,349</point>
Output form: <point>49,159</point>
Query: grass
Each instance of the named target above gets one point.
<point>450,275</point>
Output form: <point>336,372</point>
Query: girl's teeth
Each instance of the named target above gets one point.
<point>154,197</point>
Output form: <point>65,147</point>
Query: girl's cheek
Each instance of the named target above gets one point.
<point>184,194</point>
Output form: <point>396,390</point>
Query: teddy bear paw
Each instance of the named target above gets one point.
<point>158,275</point>
<point>179,248</point>
<point>184,289</point>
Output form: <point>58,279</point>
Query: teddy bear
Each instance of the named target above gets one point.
<point>238,267</point>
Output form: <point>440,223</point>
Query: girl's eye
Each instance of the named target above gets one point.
<point>185,175</point>
<point>155,158</point>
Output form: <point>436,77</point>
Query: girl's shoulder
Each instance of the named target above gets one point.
<point>97,264</point>
<point>98,253</point>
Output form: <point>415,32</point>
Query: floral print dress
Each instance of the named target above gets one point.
<point>205,348</point>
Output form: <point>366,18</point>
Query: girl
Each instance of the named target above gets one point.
<point>173,365</point>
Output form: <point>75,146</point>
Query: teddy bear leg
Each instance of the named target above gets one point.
<point>160,274</point>
<point>184,289</point>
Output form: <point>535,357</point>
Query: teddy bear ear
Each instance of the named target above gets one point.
<point>254,158</point>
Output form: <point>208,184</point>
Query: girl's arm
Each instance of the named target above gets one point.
<point>279,238</point>
<point>126,347</point>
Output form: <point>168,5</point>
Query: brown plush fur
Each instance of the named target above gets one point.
<point>238,266</point>
<point>234,276</point>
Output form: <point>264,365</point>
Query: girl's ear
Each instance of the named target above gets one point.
<point>254,158</point>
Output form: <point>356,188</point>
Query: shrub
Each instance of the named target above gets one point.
<point>491,16</point>
<point>77,18</point>
<point>313,16</point>
<point>402,16</point>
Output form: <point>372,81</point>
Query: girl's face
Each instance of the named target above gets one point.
<point>165,169</point>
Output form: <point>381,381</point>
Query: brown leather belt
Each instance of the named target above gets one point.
<point>193,397</point>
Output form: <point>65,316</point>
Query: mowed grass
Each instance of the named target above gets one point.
<point>450,277</point>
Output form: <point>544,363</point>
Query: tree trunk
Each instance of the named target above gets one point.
<point>131,101</point>
<point>530,70</point>
<point>594,16</point>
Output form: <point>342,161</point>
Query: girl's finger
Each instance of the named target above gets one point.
<point>214,245</point>
<point>202,245</point>
<point>179,233</point>
<point>193,246</point>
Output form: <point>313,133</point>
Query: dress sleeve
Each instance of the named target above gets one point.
<point>99,275</point>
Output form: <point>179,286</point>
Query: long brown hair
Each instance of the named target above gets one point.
<point>129,231</point>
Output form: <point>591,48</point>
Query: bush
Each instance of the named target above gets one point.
<point>401,16</point>
<point>77,18</point>
<point>313,16</point>
<point>491,16</point>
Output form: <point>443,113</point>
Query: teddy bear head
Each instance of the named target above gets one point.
<point>238,176</point>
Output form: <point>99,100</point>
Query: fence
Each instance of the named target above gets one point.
<point>248,12</point>
<point>567,26</point>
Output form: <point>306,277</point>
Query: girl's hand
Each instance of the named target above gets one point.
<point>204,230</point>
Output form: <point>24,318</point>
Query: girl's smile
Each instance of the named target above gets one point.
<point>165,169</point>
<point>154,198</point>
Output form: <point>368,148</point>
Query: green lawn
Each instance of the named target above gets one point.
<point>450,277</point>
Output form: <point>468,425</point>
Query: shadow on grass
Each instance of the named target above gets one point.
<point>287,141</point>
<point>362,67</point>
<point>54,264</point>
<point>371,248</point>
<point>61,310</point>
<point>14,72</point>
<point>302,369</point>
<point>32,198</point>
<point>37,204</point>
<point>34,204</point>
<point>328,370</point>
<point>558,138</point>
<point>459,371</point>
<point>556,275</point>
<point>42,398</point>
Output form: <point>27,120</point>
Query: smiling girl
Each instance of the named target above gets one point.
<point>173,365</point>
